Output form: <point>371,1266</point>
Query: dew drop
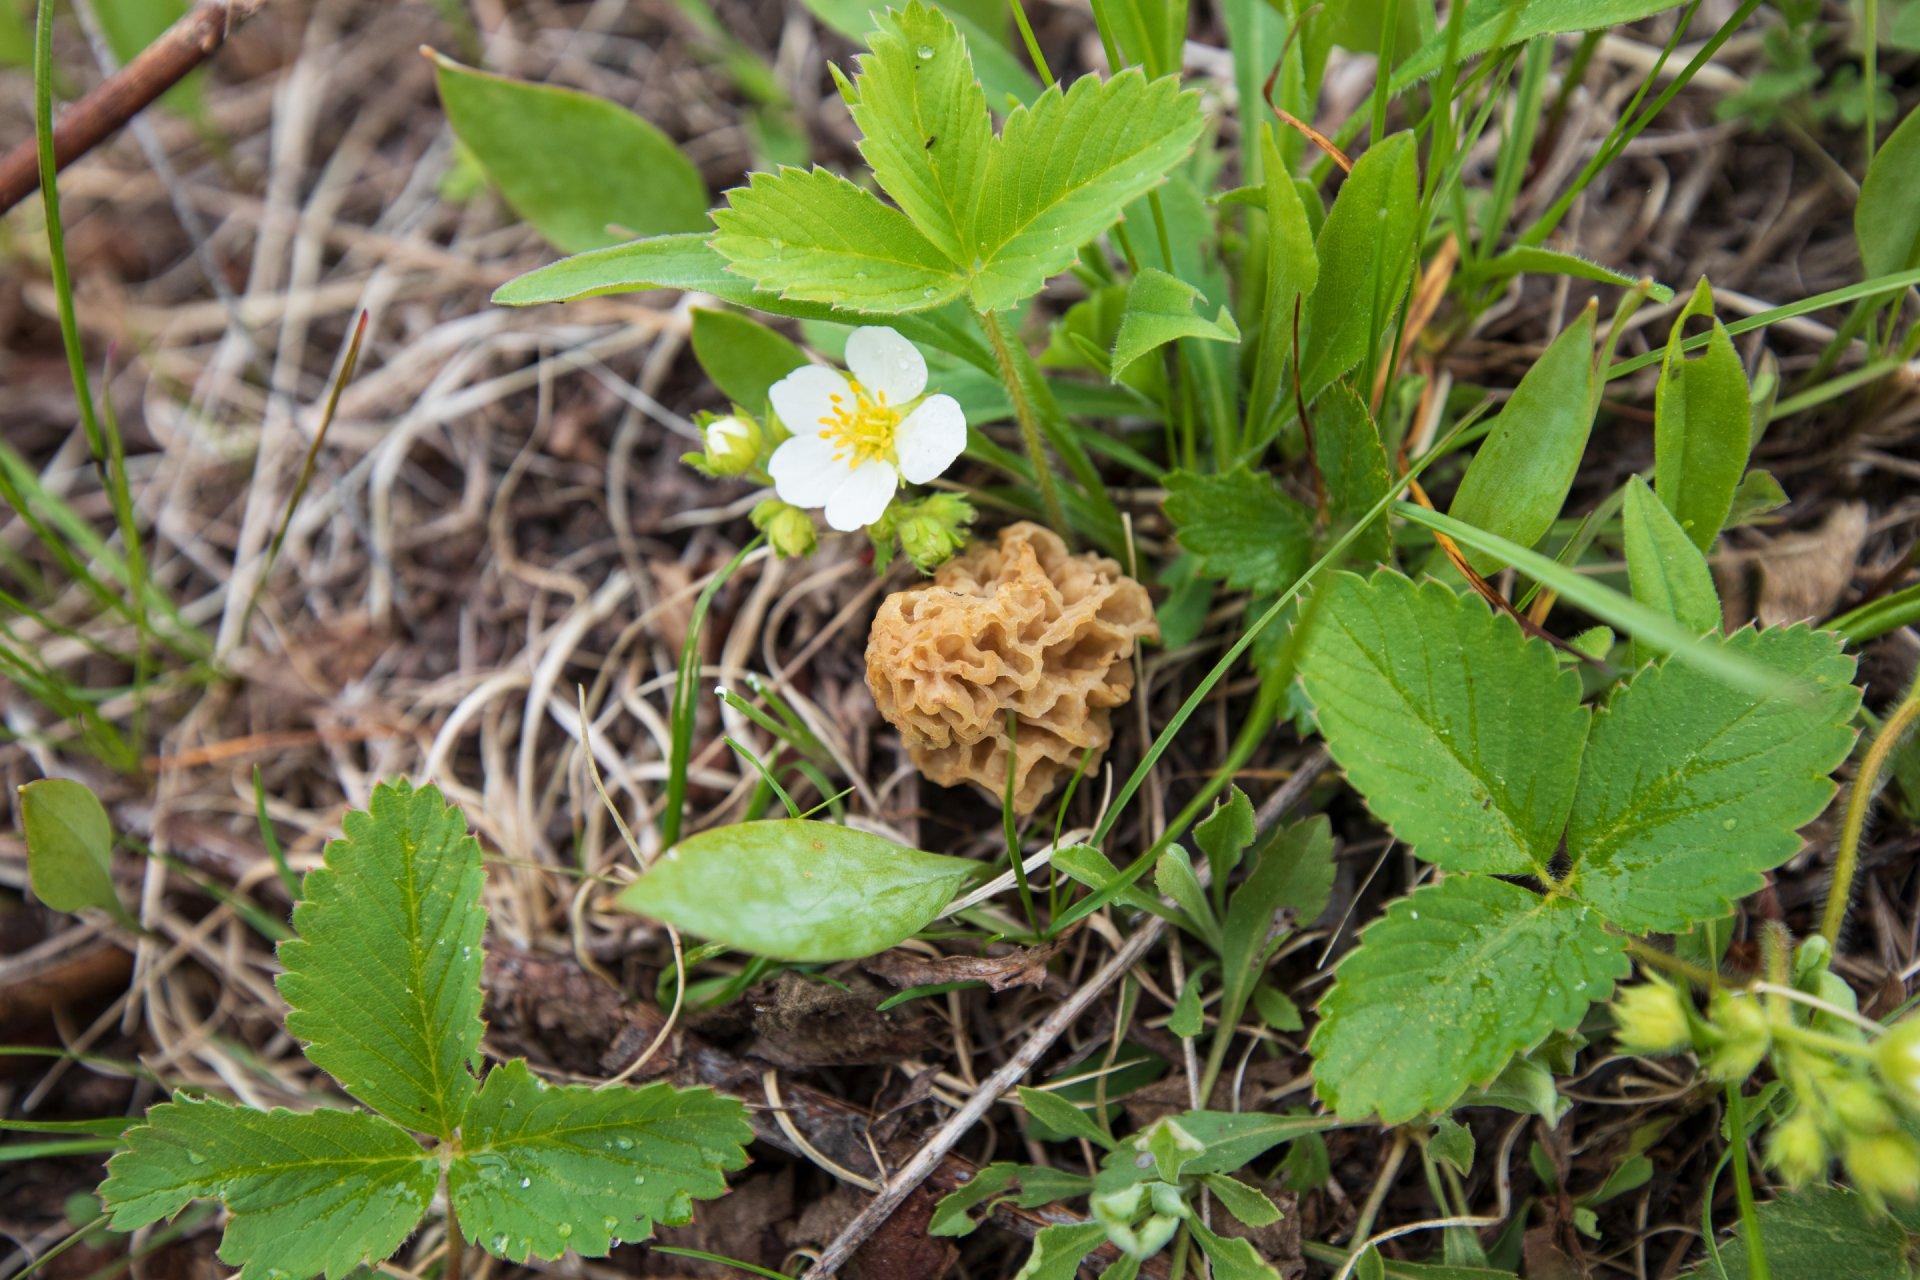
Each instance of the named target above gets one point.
<point>525,1183</point>
<point>194,1157</point>
<point>499,1244</point>
<point>564,1229</point>
<point>1730,824</point>
<point>625,1144</point>
<point>639,1179</point>
<point>926,51</point>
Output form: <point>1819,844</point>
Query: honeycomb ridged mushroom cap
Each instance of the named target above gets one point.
<point>1016,627</point>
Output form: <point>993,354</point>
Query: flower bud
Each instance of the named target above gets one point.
<point>1154,1234</point>
<point>733,446</point>
<point>1896,1057</point>
<point>1883,1165</point>
<point>1740,1027</point>
<point>1857,1107</point>
<point>932,529</point>
<point>789,530</point>
<point>1650,1019</point>
<point>1797,1149</point>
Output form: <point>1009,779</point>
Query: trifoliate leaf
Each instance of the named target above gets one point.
<point>383,983</point>
<point>1062,171</point>
<point>1691,788</point>
<point>924,124</point>
<point>1244,531</point>
<point>1463,735</point>
<point>548,1168</point>
<point>1162,308</point>
<point>812,235</point>
<point>1451,982</point>
<point>312,1193</point>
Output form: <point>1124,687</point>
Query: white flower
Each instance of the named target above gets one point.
<point>855,439</point>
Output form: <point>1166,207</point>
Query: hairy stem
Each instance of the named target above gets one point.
<point>1859,801</point>
<point>1023,414</point>
<point>456,1249</point>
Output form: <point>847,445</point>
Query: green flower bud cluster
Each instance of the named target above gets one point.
<point>1141,1218</point>
<point>929,530</point>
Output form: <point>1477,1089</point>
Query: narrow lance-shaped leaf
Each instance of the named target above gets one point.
<point>574,165</point>
<point>1454,980</point>
<point>1702,426</point>
<point>1664,567</point>
<point>383,983</point>
<point>1365,251</point>
<point>1292,269</point>
<point>1691,788</point>
<point>1463,735</point>
<point>543,1169</point>
<point>1886,218</point>
<point>319,1192</point>
<point>1519,479</point>
<point>1495,24</point>
<point>797,890</point>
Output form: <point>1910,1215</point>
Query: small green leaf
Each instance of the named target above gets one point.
<point>953,1216</point>
<point>1691,788</point>
<point>1365,250</point>
<point>1293,869</point>
<point>1666,570</point>
<point>1162,309</point>
<point>320,1192</point>
<point>69,846</point>
<point>1249,1205</point>
<point>1235,1139</point>
<point>742,356</point>
<point>1063,1117</point>
<point>1353,464</point>
<point>1532,260</point>
<point>1243,529</point>
<point>1233,1257</point>
<point>570,163</point>
<point>1063,170</point>
<point>1224,834</point>
<point>1886,218</point>
<point>1702,426</point>
<point>1276,1009</point>
<point>1463,734</point>
<point>1188,1018</point>
<point>1452,1143</point>
<point>1819,1231</point>
<point>1174,877</point>
<point>811,235</point>
<point>383,983</point>
<point>543,1169</point>
<point>1759,495</point>
<point>1448,985</point>
<point>797,890</point>
<point>1497,24</point>
<point>1057,1250</point>
<point>1519,479</point>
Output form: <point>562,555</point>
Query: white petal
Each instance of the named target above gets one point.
<point>886,364</point>
<point>861,498</point>
<point>805,396</point>
<point>805,473</point>
<point>931,438</point>
<point>723,431</point>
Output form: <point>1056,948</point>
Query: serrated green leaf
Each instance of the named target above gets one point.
<point>1496,24</point>
<point>1520,478</point>
<point>811,235</point>
<point>1702,426</point>
<point>69,846</point>
<point>383,983</point>
<point>1062,1116</point>
<point>1365,251</point>
<point>742,356</point>
<point>1819,1231</point>
<point>1664,567</point>
<point>1463,734</point>
<point>1249,1205</point>
<point>1160,309</point>
<point>1886,218</point>
<point>1000,71</point>
<point>1224,835</point>
<point>543,1168</point>
<point>1063,170</point>
<point>320,1192</point>
<point>1452,1143</point>
<point>797,890</point>
<point>1692,788</point>
<point>570,163</point>
<point>1448,985</point>
<point>924,125</point>
<point>1243,529</point>
<point>1057,1250</point>
<point>1233,1257</point>
<point>1353,465</point>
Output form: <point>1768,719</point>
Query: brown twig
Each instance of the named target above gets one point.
<point>117,99</point>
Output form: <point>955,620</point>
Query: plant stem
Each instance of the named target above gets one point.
<point>1757,1268</point>
<point>1029,423</point>
<point>1859,800</point>
<point>1650,955</point>
<point>456,1249</point>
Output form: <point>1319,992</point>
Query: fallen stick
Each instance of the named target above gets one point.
<point>117,99</point>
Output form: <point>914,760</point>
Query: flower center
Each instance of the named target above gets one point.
<point>862,431</point>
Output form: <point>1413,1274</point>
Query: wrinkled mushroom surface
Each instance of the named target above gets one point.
<point>1015,625</point>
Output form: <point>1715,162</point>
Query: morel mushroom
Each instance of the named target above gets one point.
<point>1016,626</point>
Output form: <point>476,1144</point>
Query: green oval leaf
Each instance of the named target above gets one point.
<point>797,890</point>
<point>1702,426</point>
<point>742,356</point>
<point>69,846</point>
<point>571,164</point>
<point>1886,221</point>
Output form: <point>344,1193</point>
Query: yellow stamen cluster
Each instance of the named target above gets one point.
<point>863,432</point>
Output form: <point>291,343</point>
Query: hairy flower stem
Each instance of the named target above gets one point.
<point>1029,423</point>
<point>1859,801</point>
<point>456,1249</point>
